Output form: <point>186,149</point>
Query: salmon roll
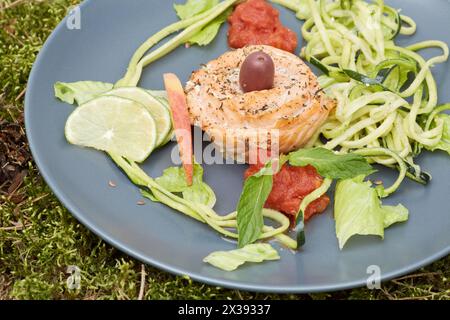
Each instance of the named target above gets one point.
<point>280,119</point>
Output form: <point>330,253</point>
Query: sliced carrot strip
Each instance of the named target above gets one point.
<point>181,122</point>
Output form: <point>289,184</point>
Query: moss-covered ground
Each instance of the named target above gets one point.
<point>39,238</point>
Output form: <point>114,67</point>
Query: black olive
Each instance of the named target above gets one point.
<point>257,72</point>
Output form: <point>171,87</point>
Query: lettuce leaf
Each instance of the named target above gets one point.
<point>173,180</point>
<point>300,7</point>
<point>194,7</point>
<point>303,10</point>
<point>208,33</point>
<point>358,210</point>
<point>444,144</point>
<point>200,193</point>
<point>81,91</point>
<point>231,260</point>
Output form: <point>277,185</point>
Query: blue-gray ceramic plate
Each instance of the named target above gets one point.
<point>110,32</point>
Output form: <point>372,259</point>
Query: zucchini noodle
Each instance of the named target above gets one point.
<point>316,194</point>
<point>222,224</point>
<point>189,26</point>
<point>383,91</point>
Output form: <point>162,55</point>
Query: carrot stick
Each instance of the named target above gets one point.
<point>181,122</point>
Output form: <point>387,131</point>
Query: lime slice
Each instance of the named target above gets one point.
<point>158,111</point>
<point>161,96</point>
<point>113,124</point>
<point>168,138</point>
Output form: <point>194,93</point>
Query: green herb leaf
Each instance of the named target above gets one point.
<point>358,210</point>
<point>272,166</point>
<point>231,260</point>
<point>81,91</point>
<point>331,165</point>
<point>249,211</point>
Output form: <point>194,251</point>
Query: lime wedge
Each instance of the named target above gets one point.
<point>158,111</point>
<point>113,124</point>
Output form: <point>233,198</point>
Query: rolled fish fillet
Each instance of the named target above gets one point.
<point>279,120</point>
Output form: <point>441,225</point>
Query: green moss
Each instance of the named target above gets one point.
<point>34,258</point>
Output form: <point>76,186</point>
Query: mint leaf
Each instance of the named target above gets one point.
<point>231,260</point>
<point>331,165</point>
<point>81,91</point>
<point>358,210</point>
<point>249,211</point>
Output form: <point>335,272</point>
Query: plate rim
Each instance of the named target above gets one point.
<point>77,213</point>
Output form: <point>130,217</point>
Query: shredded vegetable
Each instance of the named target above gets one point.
<point>189,28</point>
<point>200,212</point>
<point>386,94</point>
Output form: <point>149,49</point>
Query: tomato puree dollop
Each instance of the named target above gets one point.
<point>290,185</point>
<point>255,22</point>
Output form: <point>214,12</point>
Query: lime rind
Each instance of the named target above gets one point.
<point>113,124</point>
<point>157,109</point>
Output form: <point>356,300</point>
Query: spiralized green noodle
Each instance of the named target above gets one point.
<point>222,224</point>
<point>189,27</point>
<point>384,107</point>
<point>316,194</point>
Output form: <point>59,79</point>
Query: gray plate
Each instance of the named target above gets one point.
<point>110,32</point>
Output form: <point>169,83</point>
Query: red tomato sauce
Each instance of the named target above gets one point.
<point>256,22</point>
<point>290,186</point>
